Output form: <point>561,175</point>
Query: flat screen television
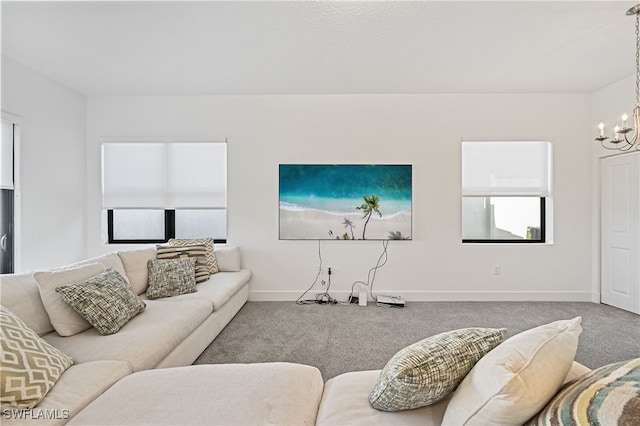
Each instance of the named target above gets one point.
<point>345,201</point>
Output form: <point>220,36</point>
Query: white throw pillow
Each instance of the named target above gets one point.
<point>228,258</point>
<point>64,319</point>
<point>515,380</point>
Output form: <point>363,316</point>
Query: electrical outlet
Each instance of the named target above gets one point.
<point>497,269</point>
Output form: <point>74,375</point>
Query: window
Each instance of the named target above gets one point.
<point>153,191</point>
<point>7,195</point>
<point>506,192</point>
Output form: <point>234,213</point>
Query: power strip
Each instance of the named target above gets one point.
<point>393,301</point>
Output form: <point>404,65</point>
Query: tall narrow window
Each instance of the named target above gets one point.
<point>153,191</point>
<point>7,198</point>
<point>506,189</point>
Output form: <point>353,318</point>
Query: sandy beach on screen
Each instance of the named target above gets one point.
<point>314,225</point>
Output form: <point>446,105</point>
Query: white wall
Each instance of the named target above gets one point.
<point>52,166</point>
<point>607,106</point>
<point>424,130</point>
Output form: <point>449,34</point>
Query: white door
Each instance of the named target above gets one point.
<point>620,231</point>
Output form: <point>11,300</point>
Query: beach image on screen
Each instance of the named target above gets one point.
<point>345,201</point>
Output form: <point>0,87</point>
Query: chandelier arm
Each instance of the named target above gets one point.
<point>622,134</point>
<point>614,148</point>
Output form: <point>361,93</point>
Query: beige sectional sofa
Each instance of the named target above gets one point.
<point>526,372</point>
<point>170,331</point>
<point>119,379</point>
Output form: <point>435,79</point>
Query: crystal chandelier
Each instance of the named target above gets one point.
<point>621,140</point>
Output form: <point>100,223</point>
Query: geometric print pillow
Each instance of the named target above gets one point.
<point>212,262</point>
<point>29,366</point>
<point>609,395</point>
<point>106,301</point>
<point>427,371</point>
<point>199,252</point>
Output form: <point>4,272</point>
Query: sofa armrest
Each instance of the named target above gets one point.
<point>576,371</point>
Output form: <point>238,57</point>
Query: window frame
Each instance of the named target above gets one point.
<point>541,240</point>
<point>169,230</point>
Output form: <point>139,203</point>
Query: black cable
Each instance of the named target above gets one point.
<point>310,301</point>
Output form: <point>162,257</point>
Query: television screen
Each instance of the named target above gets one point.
<point>345,201</point>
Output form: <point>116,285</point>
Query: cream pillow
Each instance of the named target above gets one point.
<point>29,366</point>
<point>516,379</point>
<point>64,319</point>
<point>135,267</point>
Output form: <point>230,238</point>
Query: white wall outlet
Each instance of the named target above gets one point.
<point>497,269</point>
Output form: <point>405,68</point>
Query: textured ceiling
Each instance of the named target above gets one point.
<point>295,47</point>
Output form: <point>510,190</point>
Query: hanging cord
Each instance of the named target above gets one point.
<point>371,276</point>
<point>636,111</point>
<point>308,301</point>
<point>321,298</point>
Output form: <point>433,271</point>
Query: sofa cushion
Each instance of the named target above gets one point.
<point>427,371</point>
<point>212,263</point>
<point>230,394</point>
<point>218,289</point>
<point>609,395</point>
<point>135,267</point>
<point>171,277</point>
<point>64,319</point>
<point>344,402</point>
<point>109,260</point>
<point>21,295</point>
<point>106,301</point>
<point>29,366</point>
<point>144,341</point>
<point>77,387</point>
<point>516,379</point>
<point>199,253</point>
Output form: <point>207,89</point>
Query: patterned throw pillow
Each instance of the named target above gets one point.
<point>212,262</point>
<point>106,301</point>
<point>198,252</point>
<point>609,395</point>
<point>171,277</point>
<point>29,366</point>
<point>427,371</point>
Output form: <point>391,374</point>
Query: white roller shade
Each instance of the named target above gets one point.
<point>187,175</point>
<point>506,169</point>
<point>6,156</point>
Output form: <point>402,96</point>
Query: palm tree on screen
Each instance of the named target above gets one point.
<point>370,205</point>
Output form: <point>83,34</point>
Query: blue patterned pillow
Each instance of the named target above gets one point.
<point>609,395</point>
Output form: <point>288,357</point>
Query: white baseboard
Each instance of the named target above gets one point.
<point>441,296</point>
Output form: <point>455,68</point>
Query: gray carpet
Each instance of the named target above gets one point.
<point>341,338</point>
